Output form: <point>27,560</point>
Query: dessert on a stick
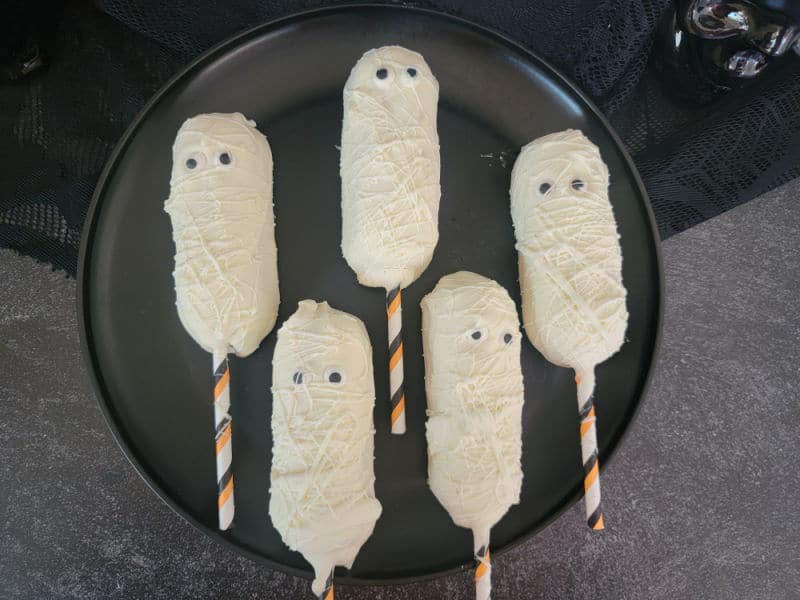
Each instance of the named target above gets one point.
<point>226,269</point>
<point>322,481</point>
<point>390,185</point>
<point>570,272</point>
<point>473,380</point>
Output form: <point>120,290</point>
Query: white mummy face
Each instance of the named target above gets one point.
<point>226,147</point>
<point>553,168</point>
<point>220,204</point>
<point>570,260</point>
<point>398,79</point>
<point>322,355</point>
<point>472,341</point>
<point>322,497</point>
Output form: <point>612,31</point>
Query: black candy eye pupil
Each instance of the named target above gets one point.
<point>577,184</point>
<point>382,73</point>
<point>476,335</point>
<point>191,163</point>
<point>507,338</point>
<point>412,72</point>
<point>225,158</point>
<point>335,377</point>
<point>297,377</point>
<point>544,188</point>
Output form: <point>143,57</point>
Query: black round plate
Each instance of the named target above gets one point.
<point>154,382</point>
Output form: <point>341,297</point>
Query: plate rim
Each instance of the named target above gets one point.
<point>84,264</point>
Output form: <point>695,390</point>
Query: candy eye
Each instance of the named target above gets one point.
<point>224,158</point>
<point>409,76</point>
<point>193,162</point>
<point>544,188</point>
<point>476,335</point>
<point>507,338</point>
<point>334,375</point>
<point>297,378</point>
<point>578,185</point>
<point>384,76</point>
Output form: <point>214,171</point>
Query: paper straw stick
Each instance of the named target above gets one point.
<point>327,593</point>
<point>483,573</point>
<point>394,314</point>
<point>222,426</point>
<point>589,453</point>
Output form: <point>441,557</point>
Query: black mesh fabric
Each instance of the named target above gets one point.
<point>738,149</point>
<point>59,126</point>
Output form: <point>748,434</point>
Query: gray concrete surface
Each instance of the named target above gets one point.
<point>701,497</point>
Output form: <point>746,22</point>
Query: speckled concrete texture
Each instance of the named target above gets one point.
<point>701,499</point>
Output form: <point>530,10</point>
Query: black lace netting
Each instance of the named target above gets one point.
<point>59,126</point>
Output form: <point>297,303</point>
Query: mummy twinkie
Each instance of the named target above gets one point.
<point>473,381</point>
<point>226,270</point>
<point>570,272</point>
<point>322,494</point>
<point>390,184</point>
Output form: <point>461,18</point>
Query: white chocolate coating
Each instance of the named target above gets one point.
<point>226,262</point>
<point>475,396</point>
<point>390,168</point>
<point>570,260</point>
<point>322,494</point>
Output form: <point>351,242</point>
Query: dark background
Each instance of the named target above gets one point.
<point>701,497</point>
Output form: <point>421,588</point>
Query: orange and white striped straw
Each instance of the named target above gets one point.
<point>394,314</point>
<point>222,426</point>
<point>589,452</point>
<point>483,573</point>
<point>327,593</point>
